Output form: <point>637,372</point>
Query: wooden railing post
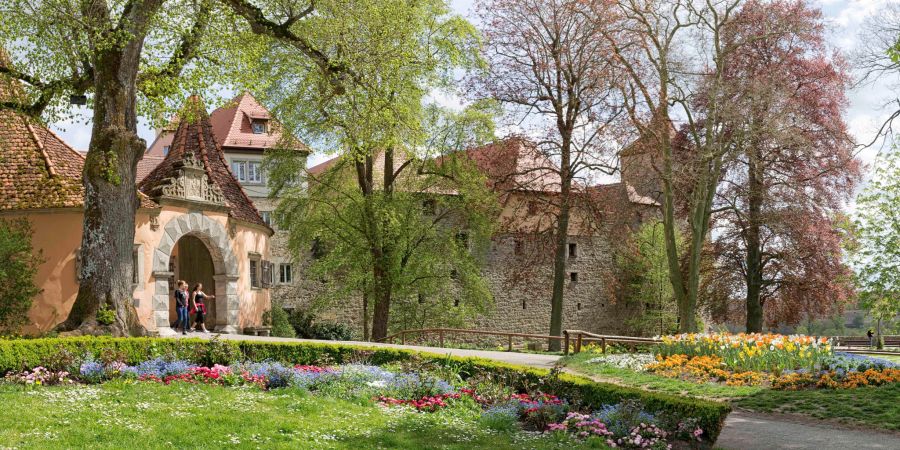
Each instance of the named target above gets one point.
<point>566,342</point>
<point>441,337</point>
<point>403,337</point>
<point>603,345</point>
<point>578,343</point>
<point>509,343</point>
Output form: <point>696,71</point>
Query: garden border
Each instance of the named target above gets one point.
<point>58,353</point>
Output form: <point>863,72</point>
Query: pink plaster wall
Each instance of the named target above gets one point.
<point>57,234</point>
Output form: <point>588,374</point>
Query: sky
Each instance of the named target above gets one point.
<point>864,115</point>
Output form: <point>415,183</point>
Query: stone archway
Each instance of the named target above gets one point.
<point>214,236</point>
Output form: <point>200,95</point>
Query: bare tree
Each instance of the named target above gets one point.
<point>672,60</point>
<point>547,64</point>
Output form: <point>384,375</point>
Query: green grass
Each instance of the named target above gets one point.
<point>180,415</point>
<point>893,358</point>
<point>875,407</point>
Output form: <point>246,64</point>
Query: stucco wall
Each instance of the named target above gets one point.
<point>57,236</point>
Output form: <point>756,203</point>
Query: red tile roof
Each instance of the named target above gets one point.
<point>232,125</point>
<point>195,135</point>
<point>146,165</point>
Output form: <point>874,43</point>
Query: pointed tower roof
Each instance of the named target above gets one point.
<point>196,171</point>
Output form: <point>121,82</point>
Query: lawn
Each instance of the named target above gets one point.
<point>121,414</point>
<point>876,407</point>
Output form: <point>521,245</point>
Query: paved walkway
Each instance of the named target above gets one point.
<point>753,431</point>
<point>743,430</point>
<point>522,359</point>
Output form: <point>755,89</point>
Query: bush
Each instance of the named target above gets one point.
<point>56,354</point>
<point>306,327</point>
<point>281,325</point>
<point>18,265</point>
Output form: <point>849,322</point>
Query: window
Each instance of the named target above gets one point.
<point>267,274</point>
<point>573,250</point>
<point>239,168</point>
<point>166,150</point>
<point>573,277</point>
<point>578,306</point>
<point>318,249</point>
<point>285,273</point>
<point>463,239</point>
<point>135,266</point>
<point>254,172</point>
<point>247,171</point>
<point>254,273</point>
<point>429,207</point>
<point>258,126</point>
<point>266,217</point>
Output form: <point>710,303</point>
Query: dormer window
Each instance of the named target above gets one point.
<point>258,126</point>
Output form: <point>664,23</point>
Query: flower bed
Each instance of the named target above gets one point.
<point>838,371</point>
<point>751,352</point>
<point>626,424</point>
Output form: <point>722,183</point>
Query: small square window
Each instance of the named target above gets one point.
<point>573,277</point>
<point>166,150</point>
<point>573,250</point>
<point>258,126</point>
<point>429,207</point>
<point>266,217</point>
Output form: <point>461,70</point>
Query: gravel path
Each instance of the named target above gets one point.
<point>743,430</point>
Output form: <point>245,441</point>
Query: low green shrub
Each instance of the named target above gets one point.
<point>307,327</point>
<point>62,353</point>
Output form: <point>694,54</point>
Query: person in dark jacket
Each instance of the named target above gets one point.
<point>198,306</point>
<point>181,306</point>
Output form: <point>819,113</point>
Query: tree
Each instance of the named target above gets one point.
<point>548,65</point>
<point>877,58</point>
<point>672,64</point>
<point>131,57</point>
<point>115,51</point>
<point>792,171</point>
<point>20,264</point>
<point>394,53</point>
<point>876,256</point>
<point>647,281</point>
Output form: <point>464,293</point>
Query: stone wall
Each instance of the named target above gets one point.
<point>519,272</point>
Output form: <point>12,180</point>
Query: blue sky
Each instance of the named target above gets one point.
<point>864,115</point>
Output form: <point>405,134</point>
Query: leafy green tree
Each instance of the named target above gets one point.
<point>367,211</point>
<point>433,224</point>
<point>17,271</point>
<point>136,58</point>
<point>876,254</point>
<point>648,289</point>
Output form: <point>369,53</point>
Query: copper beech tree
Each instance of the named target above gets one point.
<point>547,65</point>
<point>775,243</point>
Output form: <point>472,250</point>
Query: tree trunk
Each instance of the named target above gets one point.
<point>561,236</point>
<point>110,199</point>
<point>381,314</point>
<point>754,276</point>
<point>365,314</point>
<point>559,274</point>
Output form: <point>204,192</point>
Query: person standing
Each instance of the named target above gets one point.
<point>198,306</point>
<point>871,336</point>
<point>181,306</point>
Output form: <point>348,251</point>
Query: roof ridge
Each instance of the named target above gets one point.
<point>40,145</point>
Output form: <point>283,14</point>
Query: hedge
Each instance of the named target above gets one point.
<point>61,353</point>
